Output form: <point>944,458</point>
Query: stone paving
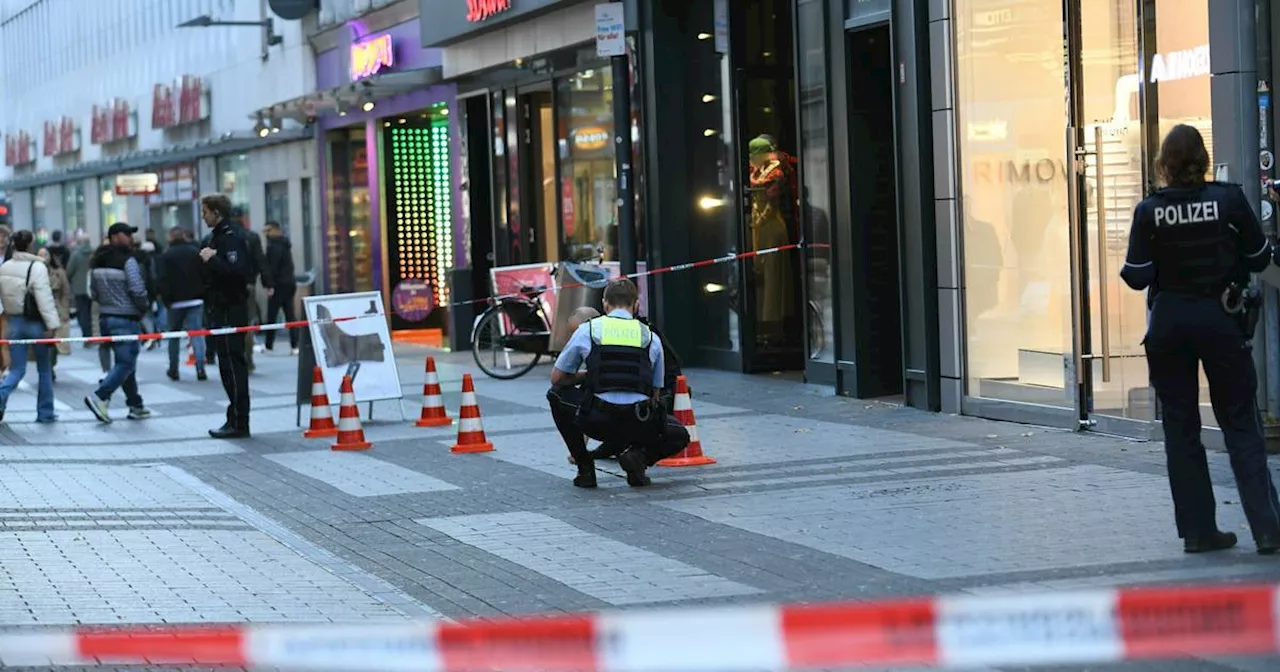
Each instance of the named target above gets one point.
<point>813,497</point>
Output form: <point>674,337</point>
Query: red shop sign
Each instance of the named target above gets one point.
<point>479,10</point>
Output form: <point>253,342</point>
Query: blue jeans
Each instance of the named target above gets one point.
<point>187,319</point>
<point>20,327</point>
<point>122,372</point>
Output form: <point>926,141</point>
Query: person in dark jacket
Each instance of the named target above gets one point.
<point>182,293</point>
<point>279,278</point>
<point>58,248</point>
<point>118,286</point>
<point>227,271</point>
<point>78,276</point>
<point>257,263</point>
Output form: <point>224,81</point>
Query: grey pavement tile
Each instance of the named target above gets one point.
<point>560,551</point>
<point>359,475</point>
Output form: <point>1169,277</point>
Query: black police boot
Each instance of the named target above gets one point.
<point>586,477</point>
<point>1268,545</point>
<point>634,462</point>
<point>1218,541</point>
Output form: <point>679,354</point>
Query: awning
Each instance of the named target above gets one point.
<point>231,143</point>
<point>305,109</point>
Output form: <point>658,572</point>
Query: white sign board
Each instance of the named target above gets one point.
<point>611,29</point>
<point>132,184</point>
<point>366,340</point>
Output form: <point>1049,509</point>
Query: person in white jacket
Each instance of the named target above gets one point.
<point>26,274</point>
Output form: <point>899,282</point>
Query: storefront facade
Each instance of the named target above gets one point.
<point>537,143</point>
<point>1015,183</point>
<point>140,142</point>
<point>387,168</point>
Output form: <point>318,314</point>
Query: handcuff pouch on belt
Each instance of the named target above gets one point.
<point>1243,304</point>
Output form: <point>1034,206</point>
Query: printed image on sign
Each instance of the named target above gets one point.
<point>366,340</point>
<point>413,300</point>
<point>611,29</point>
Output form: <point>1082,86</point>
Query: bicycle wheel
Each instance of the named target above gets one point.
<point>506,344</point>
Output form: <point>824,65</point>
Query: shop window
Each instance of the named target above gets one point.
<point>112,208</point>
<point>308,227</point>
<point>419,209</point>
<point>348,233</point>
<point>816,168</point>
<point>1010,121</point>
<point>233,180</point>
<point>588,186</point>
<point>40,198</point>
<point>72,208</point>
<point>277,197</point>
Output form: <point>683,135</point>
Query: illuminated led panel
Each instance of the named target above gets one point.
<point>424,212</point>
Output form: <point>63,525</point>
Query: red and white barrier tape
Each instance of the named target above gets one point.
<point>1049,629</point>
<point>298,324</point>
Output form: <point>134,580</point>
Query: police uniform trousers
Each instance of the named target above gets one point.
<point>612,424</point>
<point>233,365</point>
<point>1184,331</point>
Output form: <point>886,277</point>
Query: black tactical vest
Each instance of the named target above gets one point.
<point>1194,248</point>
<point>619,357</point>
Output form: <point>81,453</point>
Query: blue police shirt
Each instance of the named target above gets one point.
<point>579,346</point>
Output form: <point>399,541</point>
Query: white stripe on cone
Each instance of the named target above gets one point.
<point>432,378</point>
<point>432,401</point>
<point>683,402</point>
<point>469,425</point>
<point>469,399</point>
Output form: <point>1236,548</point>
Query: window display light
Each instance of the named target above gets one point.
<point>424,207</point>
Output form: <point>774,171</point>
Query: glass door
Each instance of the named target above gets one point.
<point>1106,143</point>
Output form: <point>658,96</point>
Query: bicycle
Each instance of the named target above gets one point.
<point>514,333</point>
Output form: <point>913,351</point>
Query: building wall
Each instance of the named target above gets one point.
<point>61,57</point>
<point>291,163</point>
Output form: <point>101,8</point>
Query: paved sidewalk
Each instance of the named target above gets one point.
<point>813,497</point>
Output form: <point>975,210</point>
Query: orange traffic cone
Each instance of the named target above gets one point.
<point>692,455</point>
<point>471,437</point>
<point>321,414</point>
<point>191,356</point>
<point>433,414</point>
<point>350,434</point>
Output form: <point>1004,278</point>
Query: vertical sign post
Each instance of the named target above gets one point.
<point>611,42</point>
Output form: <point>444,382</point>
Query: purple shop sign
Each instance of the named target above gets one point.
<point>413,300</point>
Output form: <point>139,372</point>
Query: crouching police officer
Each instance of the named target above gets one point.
<point>617,401</point>
<point>1195,244</point>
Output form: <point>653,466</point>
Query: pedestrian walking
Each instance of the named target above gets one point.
<point>1194,244</point>
<point>279,277</point>
<point>29,311</point>
<point>78,277</point>
<point>227,270</point>
<point>118,285</point>
<point>5,252</point>
<point>257,263</point>
<point>182,292</point>
<point>62,299</point>
<point>57,248</point>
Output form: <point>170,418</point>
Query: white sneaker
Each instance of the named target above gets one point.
<point>294,352</point>
<point>98,406</point>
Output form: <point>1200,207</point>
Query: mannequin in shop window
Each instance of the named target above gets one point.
<point>773,223</point>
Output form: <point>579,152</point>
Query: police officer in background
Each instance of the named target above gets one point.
<point>1195,244</point>
<point>618,398</point>
<point>228,266</point>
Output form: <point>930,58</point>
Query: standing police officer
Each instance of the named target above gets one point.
<point>1195,244</point>
<point>228,267</point>
<point>618,397</point>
